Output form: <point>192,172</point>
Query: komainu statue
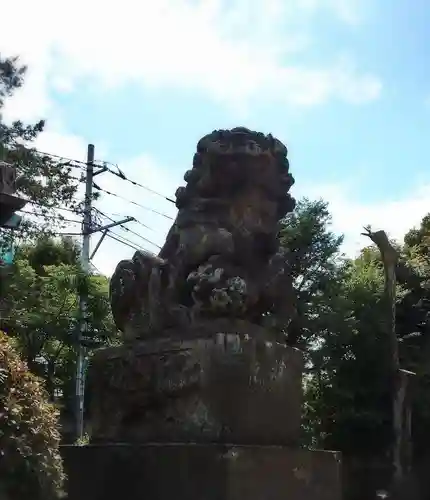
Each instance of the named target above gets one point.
<point>221,258</point>
<point>200,401</point>
<point>200,361</point>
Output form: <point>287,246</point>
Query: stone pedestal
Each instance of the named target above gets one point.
<point>200,472</point>
<point>225,388</point>
<point>165,412</point>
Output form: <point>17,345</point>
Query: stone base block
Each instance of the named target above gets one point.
<point>200,472</point>
<point>230,387</point>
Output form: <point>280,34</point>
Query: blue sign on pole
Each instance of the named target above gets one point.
<point>7,253</point>
<point>7,250</point>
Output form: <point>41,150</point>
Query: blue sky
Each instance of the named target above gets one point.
<point>344,83</point>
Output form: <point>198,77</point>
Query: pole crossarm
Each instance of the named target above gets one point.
<point>113,224</point>
<point>105,230</point>
<point>101,170</point>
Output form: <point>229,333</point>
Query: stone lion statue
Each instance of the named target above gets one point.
<point>221,257</point>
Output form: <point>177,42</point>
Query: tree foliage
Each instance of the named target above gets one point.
<point>340,324</point>
<point>314,255</point>
<point>41,311</point>
<point>30,465</point>
<point>41,178</point>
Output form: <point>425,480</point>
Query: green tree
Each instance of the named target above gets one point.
<point>340,325</point>
<point>313,251</point>
<point>46,182</point>
<point>413,325</point>
<point>319,271</point>
<point>348,404</point>
<point>30,465</point>
<point>420,237</point>
<point>358,366</point>
<point>41,310</point>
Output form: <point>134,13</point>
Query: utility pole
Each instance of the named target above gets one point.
<point>82,333</point>
<point>83,306</point>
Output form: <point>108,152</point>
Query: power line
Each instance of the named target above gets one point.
<point>103,214</point>
<point>135,220</point>
<point>72,210</point>
<point>132,202</point>
<point>96,268</point>
<point>61,218</point>
<point>128,243</point>
<point>80,163</point>
<point>104,164</point>
<point>120,173</point>
<point>143,225</point>
<point>130,230</point>
<point>140,236</point>
<point>67,234</point>
<point>122,176</point>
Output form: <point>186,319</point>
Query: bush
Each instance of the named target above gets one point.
<point>30,463</point>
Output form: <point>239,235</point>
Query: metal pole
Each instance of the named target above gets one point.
<point>85,261</point>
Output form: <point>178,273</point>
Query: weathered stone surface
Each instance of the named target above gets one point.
<point>200,472</point>
<point>200,369</point>
<point>221,258</point>
<point>228,387</point>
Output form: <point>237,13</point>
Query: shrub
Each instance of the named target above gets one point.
<point>30,463</point>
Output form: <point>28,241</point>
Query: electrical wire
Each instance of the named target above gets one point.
<point>80,163</point>
<point>72,210</point>
<point>140,236</point>
<point>103,214</point>
<point>117,237</point>
<point>144,225</point>
<point>96,268</point>
<point>37,214</point>
<point>130,230</point>
<point>105,164</point>
<point>122,176</point>
<point>67,234</point>
<point>96,186</point>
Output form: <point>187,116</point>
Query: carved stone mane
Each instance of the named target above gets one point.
<point>220,258</point>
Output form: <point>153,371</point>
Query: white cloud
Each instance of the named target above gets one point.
<point>235,51</point>
<point>348,11</point>
<point>350,214</point>
<point>58,142</point>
